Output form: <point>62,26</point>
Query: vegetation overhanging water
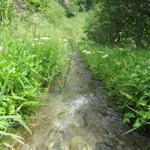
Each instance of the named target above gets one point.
<point>37,40</point>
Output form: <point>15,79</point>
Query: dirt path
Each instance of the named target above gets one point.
<point>81,118</point>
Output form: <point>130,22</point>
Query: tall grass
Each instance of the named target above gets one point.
<point>126,73</point>
<point>32,55</point>
<point>26,66</point>
<point>6,10</point>
<point>34,50</point>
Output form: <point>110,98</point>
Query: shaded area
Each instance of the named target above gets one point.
<point>81,118</point>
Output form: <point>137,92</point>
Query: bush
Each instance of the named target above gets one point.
<point>117,21</point>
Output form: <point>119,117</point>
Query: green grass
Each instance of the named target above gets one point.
<point>126,74</point>
<point>34,49</point>
<point>26,67</point>
<point>32,54</point>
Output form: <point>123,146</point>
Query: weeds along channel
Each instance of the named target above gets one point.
<point>33,52</point>
<point>126,73</point>
<point>37,38</point>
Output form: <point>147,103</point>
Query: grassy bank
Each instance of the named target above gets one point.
<point>33,52</point>
<point>35,43</point>
<point>126,73</point>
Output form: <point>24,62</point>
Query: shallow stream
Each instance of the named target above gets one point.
<point>80,118</point>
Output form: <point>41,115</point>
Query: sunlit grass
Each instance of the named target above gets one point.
<point>32,55</point>
<point>126,73</point>
<point>34,50</point>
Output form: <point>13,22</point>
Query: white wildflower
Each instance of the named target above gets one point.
<point>65,40</point>
<point>86,52</point>
<point>42,38</point>
<point>33,44</point>
<point>100,52</point>
<point>36,39</point>
<point>45,38</point>
<point>1,49</point>
<point>105,56</point>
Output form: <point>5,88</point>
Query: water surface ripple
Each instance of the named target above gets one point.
<point>80,118</point>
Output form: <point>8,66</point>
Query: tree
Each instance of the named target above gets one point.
<point>115,21</point>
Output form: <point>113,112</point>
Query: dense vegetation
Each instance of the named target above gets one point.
<point>118,53</point>
<point>73,7</point>
<point>126,73</point>
<point>115,46</point>
<point>30,58</point>
<point>118,21</point>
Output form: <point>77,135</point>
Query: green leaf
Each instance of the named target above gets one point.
<point>137,124</point>
<point>13,136</point>
<point>142,102</point>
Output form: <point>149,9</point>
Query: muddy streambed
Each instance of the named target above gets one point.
<point>80,118</point>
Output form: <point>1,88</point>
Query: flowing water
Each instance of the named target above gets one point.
<point>80,118</point>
